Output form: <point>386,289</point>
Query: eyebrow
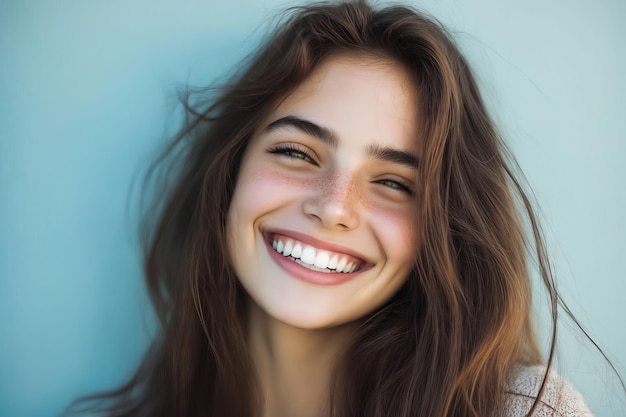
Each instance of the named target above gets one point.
<point>326,135</point>
<point>389,154</point>
<point>312,129</point>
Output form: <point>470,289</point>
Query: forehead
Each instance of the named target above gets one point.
<point>370,98</point>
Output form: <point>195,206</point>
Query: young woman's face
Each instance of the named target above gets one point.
<point>321,227</point>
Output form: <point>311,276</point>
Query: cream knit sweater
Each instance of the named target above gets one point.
<point>559,399</point>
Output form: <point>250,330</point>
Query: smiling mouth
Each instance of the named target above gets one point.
<point>315,259</point>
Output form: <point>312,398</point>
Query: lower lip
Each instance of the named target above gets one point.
<point>308,275</point>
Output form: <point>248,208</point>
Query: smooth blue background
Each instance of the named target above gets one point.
<point>87,95</point>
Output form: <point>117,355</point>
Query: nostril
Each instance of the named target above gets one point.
<point>331,215</point>
<point>334,202</point>
<point>314,216</point>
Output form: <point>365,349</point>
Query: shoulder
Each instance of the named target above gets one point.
<point>559,398</point>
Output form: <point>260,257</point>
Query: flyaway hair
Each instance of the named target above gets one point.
<point>444,344</point>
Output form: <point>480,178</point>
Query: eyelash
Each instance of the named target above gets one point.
<point>397,185</point>
<point>295,152</point>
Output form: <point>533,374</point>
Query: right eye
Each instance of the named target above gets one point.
<point>293,152</point>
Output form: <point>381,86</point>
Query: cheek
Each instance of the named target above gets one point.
<point>260,191</point>
<point>263,190</point>
<point>397,232</point>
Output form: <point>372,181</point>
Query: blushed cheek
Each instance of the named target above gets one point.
<point>265,189</point>
<point>397,230</point>
<point>268,184</point>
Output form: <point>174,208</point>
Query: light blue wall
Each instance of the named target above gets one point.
<point>86,96</point>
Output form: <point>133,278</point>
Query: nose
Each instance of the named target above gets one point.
<point>334,203</point>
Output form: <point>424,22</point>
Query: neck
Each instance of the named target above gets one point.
<point>294,365</point>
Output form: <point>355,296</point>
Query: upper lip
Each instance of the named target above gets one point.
<point>316,243</point>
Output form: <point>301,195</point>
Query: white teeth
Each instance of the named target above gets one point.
<point>321,260</point>
<point>314,268</point>
<point>332,264</point>
<point>341,265</point>
<point>288,248</point>
<point>308,255</point>
<point>312,258</point>
<point>296,252</point>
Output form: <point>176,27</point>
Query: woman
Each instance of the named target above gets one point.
<point>343,238</point>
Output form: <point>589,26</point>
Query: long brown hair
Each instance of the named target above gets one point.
<point>443,345</point>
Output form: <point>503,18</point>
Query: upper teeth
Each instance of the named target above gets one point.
<point>314,258</point>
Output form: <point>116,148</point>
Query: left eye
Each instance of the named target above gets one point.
<point>396,185</point>
<point>293,153</point>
